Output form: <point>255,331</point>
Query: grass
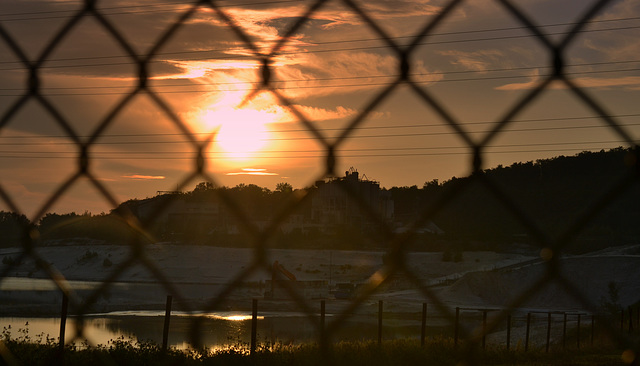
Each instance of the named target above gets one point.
<point>439,351</point>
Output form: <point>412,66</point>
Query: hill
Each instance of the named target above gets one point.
<point>577,203</point>
<point>537,203</point>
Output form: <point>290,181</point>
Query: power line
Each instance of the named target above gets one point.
<point>332,86</point>
<point>191,84</point>
<point>389,155</point>
<point>175,6</point>
<point>420,125</point>
<point>339,42</point>
<point>224,56</point>
<point>414,134</point>
<point>99,154</point>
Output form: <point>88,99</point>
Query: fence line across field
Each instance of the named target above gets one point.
<point>528,316</point>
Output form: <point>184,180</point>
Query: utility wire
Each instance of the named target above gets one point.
<point>414,134</point>
<point>99,154</point>
<point>174,6</point>
<point>337,42</point>
<point>281,81</point>
<point>509,77</point>
<point>325,129</point>
<point>226,57</point>
<point>320,156</point>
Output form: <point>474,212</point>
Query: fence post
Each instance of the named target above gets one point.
<point>564,331</point>
<point>622,321</point>
<point>578,332</point>
<point>508,331</point>
<point>379,322</point>
<point>423,332</point>
<point>322,315</point>
<point>167,317</point>
<point>630,319</point>
<point>455,327</point>
<point>548,331</point>
<point>63,320</point>
<point>484,329</point>
<point>254,325</point>
<point>593,328</point>
<point>526,338</point>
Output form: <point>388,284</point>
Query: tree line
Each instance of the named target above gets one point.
<point>521,203</point>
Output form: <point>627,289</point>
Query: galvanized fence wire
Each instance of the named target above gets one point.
<point>552,247</point>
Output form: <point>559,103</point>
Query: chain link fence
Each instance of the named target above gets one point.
<point>397,244</point>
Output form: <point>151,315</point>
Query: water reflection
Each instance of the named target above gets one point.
<point>217,330</point>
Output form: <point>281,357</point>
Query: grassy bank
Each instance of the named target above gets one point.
<point>398,352</point>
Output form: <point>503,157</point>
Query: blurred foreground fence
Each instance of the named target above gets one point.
<point>522,330</point>
<point>397,243</point>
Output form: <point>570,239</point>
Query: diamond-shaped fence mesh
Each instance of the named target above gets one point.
<point>267,54</point>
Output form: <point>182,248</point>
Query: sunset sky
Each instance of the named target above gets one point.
<point>476,65</point>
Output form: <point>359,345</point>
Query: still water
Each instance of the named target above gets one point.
<point>217,330</point>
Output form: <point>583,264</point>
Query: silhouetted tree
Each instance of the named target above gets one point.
<point>12,227</point>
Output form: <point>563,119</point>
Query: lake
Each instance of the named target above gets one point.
<point>217,330</point>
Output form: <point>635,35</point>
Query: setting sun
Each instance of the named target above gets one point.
<point>241,134</point>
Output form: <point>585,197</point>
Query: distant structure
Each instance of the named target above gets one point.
<point>310,289</point>
<point>336,204</point>
<point>344,201</point>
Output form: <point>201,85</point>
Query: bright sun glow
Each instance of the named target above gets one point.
<point>241,133</point>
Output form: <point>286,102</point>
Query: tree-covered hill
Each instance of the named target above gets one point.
<point>553,194</point>
<point>522,203</point>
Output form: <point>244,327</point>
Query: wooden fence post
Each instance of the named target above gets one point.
<point>548,331</point>
<point>578,332</point>
<point>63,320</point>
<point>322,315</point>
<point>564,331</point>
<point>254,325</point>
<point>379,322</point>
<point>593,328</point>
<point>526,338</point>
<point>630,319</point>
<point>423,330</point>
<point>484,329</point>
<point>455,327</point>
<point>167,317</point>
<point>508,331</point>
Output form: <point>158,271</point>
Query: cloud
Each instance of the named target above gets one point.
<point>338,73</point>
<point>626,82</point>
<point>144,177</point>
<point>631,82</point>
<point>533,82</point>
<point>252,171</point>
<point>377,9</point>
<point>322,114</point>
<point>476,60</point>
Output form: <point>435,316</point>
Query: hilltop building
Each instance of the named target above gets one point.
<point>345,201</point>
<point>336,204</point>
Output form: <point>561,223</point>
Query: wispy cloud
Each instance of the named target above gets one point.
<point>533,81</point>
<point>144,177</point>
<point>627,82</point>
<point>630,82</point>
<point>476,60</point>
<point>252,171</point>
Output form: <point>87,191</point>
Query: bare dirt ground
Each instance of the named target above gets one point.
<point>199,274</point>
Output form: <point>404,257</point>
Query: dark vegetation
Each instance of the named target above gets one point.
<point>438,351</point>
<point>551,193</point>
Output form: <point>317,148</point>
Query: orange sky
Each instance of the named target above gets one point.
<point>476,65</point>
